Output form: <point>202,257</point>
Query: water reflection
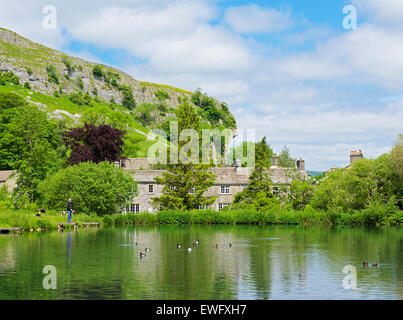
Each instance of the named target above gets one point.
<point>272,262</point>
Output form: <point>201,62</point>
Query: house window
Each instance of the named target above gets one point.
<point>275,191</point>
<point>150,188</point>
<point>192,190</point>
<point>244,186</point>
<point>133,208</point>
<point>201,207</point>
<point>222,205</point>
<point>224,189</point>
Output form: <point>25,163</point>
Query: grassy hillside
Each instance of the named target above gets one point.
<point>75,91</point>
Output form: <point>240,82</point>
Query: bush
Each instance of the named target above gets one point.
<point>162,95</point>
<point>80,83</point>
<point>8,77</point>
<point>77,98</point>
<point>128,98</point>
<point>95,188</point>
<point>97,71</point>
<point>52,74</point>
<point>26,85</point>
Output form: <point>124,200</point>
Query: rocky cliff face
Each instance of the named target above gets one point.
<point>28,60</point>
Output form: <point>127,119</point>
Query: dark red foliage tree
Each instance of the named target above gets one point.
<point>94,143</point>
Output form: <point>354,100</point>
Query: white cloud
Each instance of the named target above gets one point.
<point>383,12</point>
<point>253,19</point>
<point>173,39</point>
<point>315,101</point>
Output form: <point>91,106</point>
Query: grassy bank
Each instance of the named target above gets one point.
<point>27,220</point>
<point>381,215</point>
<point>371,216</point>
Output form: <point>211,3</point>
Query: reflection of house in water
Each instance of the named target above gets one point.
<point>7,258</point>
<point>228,182</point>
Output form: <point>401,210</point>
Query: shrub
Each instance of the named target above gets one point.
<point>80,83</point>
<point>97,71</point>
<point>52,74</point>
<point>77,98</point>
<point>69,65</point>
<point>26,85</point>
<point>162,95</point>
<point>8,77</point>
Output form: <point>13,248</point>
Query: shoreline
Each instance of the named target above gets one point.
<point>277,216</point>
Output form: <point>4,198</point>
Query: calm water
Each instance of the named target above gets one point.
<point>272,262</point>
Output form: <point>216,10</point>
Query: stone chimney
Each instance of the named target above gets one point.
<point>274,160</point>
<point>356,155</point>
<point>301,164</point>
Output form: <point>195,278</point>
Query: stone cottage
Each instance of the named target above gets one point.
<point>229,181</point>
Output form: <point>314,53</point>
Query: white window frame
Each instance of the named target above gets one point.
<point>225,189</point>
<point>150,186</point>
<point>222,205</point>
<point>192,190</point>
<point>133,208</point>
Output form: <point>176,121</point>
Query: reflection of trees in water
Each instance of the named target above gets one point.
<point>92,264</point>
<point>7,257</point>
<point>99,289</point>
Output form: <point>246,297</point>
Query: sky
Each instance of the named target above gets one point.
<point>287,68</point>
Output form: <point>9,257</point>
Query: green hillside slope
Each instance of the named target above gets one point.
<point>76,91</point>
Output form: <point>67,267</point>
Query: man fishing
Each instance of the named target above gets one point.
<point>70,210</point>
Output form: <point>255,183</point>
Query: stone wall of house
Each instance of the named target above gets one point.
<point>236,179</point>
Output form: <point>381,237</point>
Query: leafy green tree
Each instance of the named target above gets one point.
<point>99,188</point>
<point>30,144</point>
<point>184,184</point>
<point>285,159</point>
<point>365,182</point>
<point>258,194</point>
<point>396,156</point>
<point>300,193</point>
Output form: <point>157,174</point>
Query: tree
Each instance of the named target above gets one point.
<point>300,193</point>
<point>396,156</point>
<point>184,184</point>
<point>285,159</point>
<point>128,98</point>
<point>94,143</point>
<point>95,188</point>
<point>258,194</point>
<point>29,143</point>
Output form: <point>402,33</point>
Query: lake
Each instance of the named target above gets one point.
<point>267,262</point>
